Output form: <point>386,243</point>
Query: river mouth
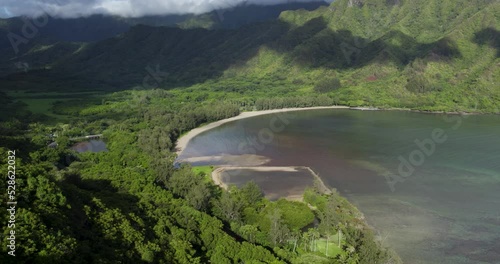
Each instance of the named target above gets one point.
<point>444,211</point>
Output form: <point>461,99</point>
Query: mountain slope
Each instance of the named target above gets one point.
<point>416,62</point>
<point>100,27</point>
<point>245,14</point>
<point>58,38</point>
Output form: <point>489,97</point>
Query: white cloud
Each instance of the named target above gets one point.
<point>127,8</point>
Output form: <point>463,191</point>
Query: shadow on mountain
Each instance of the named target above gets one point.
<point>95,243</point>
<point>104,191</point>
<point>489,36</point>
<point>148,57</point>
<point>315,45</point>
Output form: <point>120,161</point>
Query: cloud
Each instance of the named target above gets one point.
<point>126,8</point>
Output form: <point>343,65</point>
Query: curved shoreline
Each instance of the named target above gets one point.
<point>216,174</point>
<point>183,141</point>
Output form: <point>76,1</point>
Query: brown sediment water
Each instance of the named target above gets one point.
<point>229,160</point>
<point>275,182</point>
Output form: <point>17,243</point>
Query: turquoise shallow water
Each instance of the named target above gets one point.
<point>443,205</point>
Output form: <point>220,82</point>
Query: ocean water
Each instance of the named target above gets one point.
<point>428,183</point>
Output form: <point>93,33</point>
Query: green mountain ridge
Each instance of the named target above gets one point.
<point>59,37</point>
<point>422,54</point>
<point>99,27</point>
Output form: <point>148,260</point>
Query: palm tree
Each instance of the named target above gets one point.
<point>312,235</point>
<point>315,237</point>
<point>249,231</point>
<point>295,235</point>
<point>306,236</point>
<point>339,228</point>
<point>326,248</point>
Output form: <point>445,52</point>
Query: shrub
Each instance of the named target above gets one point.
<point>327,85</point>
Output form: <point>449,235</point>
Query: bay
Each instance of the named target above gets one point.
<point>444,206</point>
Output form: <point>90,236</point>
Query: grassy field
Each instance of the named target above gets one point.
<point>205,171</point>
<point>42,103</point>
<point>320,247</point>
<point>333,248</point>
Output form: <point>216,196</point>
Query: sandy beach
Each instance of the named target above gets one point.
<point>184,140</point>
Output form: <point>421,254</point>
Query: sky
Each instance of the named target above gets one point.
<point>126,8</point>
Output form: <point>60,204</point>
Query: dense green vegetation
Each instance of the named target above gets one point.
<point>131,205</point>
